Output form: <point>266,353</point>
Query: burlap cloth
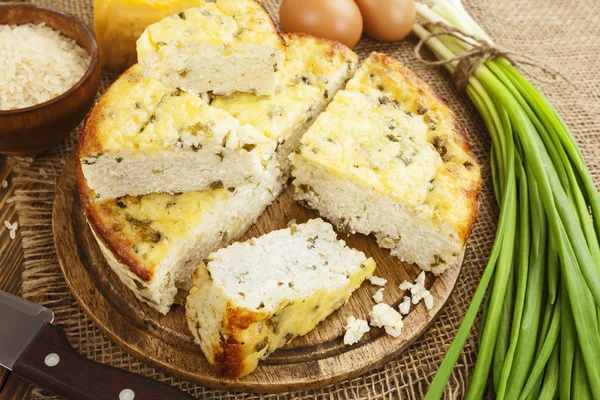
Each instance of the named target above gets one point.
<point>564,34</point>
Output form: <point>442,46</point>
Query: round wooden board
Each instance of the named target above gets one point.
<point>312,361</point>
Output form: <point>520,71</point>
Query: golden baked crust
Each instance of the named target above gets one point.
<point>442,182</point>
<point>99,218</point>
<point>140,231</point>
<point>310,67</point>
<point>252,298</point>
<point>91,137</point>
<point>142,94</point>
<point>461,169</point>
<point>228,7</point>
<point>223,47</point>
<point>230,353</point>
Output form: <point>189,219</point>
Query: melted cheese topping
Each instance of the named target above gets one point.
<point>226,23</point>
<point>121,120</point>
<point>125,108</point>
<point>308,66</point>
<point>376,146</point>
<point>144,115</point>
<point>148,225</point>
<point>385,133</point>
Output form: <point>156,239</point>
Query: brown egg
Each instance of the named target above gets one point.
<point>330,19</point>
<point>388,20</point>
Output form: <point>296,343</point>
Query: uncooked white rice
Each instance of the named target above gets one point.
<point>12,228</point>
<point>37,63</point>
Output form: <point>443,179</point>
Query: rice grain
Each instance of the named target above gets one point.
<point>37,63</point>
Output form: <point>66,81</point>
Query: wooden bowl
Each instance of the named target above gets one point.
<point>35,129</point>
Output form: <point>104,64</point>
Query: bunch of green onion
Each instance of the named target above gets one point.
<point>540,333</point>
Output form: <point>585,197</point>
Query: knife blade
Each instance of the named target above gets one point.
<point>21,320</point>
<point>39,352</point>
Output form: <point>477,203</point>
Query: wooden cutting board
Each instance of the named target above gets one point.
<point>315,360</point>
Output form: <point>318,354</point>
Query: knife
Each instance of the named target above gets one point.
<point>39,352</point>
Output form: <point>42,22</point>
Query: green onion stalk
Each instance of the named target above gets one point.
<point>540,335</point>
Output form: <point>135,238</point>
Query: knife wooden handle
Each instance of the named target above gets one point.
<point>50,362</point>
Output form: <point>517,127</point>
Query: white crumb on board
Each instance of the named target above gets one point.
<point>384,316</point>
<point>355,329</point>
<point>418,291</point>
<point>378,296</point>
<point>404,307</point>
<point>377,281</point>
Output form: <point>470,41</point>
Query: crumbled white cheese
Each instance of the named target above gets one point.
<point>384,316</point>
<point>404,307</point>
<point>377,281</point>
<point>355,329</point>
<point>4,183</point>
<point>8,225</point>
<point>378,296</point>
<point>418,292</point>
<point>406,285</point>
<point>428,301</point>
<point>421,279</point>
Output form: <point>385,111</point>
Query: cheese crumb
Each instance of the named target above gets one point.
<point>377,281</point>
<point>384,316</point>
<point>421,279</point>
<point>418,293</point>
<point>378,296</point>
<point>406,285</point>
<point>404,307</point>
<point>428,301</point>
<point>4,183</point>
<point>355,329</point>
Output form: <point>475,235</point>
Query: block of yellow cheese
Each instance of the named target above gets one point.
<point>119,23</point>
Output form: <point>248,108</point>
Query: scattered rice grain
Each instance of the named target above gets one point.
<point>377,281</point>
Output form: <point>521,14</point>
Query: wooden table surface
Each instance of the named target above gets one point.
<point>11,266</point>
